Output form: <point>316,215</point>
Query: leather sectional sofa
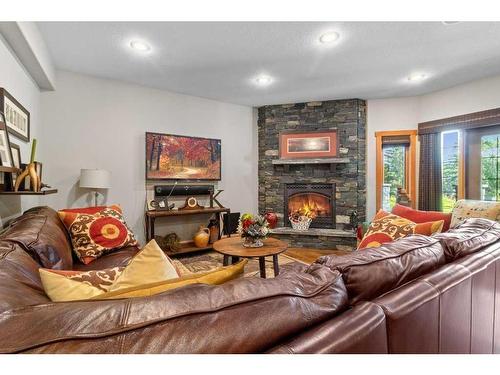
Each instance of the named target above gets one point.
<point>419,294</point>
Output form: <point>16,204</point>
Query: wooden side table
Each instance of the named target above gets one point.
<point>233,247</point>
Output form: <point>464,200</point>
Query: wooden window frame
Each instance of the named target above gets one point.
<point>410,164</point>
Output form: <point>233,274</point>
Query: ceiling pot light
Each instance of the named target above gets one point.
<point>447,23</point>
<point>139,46</point>
<point>329,37</point>
<point>416,77</point>
<point>263,80</point>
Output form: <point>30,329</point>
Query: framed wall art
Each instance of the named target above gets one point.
<point>308,145</point>
<point>17,118</point>
<point>5,151</point>
<point>180,157</point>
<point>16,155</point>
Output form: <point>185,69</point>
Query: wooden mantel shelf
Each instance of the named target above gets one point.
<point>332,161</point>
<point>311,161</point>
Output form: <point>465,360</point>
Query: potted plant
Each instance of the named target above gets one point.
<point>253,229</point>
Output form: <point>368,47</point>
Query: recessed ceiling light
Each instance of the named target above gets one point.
<point>140,46</point>
<point>447,23</point>
<point>417,77</point>
<point>329,37</point>
<point>263,80</point>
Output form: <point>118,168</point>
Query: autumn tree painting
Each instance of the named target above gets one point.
<point>182,157</point>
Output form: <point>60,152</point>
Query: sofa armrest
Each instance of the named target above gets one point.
<point>361,329</point>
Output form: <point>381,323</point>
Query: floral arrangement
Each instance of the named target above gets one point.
<point>253,229</point>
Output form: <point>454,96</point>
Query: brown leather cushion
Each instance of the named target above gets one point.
<point>20,283</point>
<point>244,316</point>
<point>41,233</point>
<point>118,258</point>
<point>468,237</point>
<point>372,272</point>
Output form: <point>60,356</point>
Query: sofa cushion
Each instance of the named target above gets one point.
<point>372,272</point>
<point>118,258</point>
<point>95,231</point>
<point>387,227</point>
<point>40,232</point>
<point>20,283</point>
<point>468,237</point>
<point>465,209</point>
<point>150,265</point>
<point>418,216</point>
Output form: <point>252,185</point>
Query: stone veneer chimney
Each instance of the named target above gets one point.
<point>349,118</point>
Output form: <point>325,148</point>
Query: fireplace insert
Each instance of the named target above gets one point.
<point>316,200</point>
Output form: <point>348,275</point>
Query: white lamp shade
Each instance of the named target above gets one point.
<point>95,178</point>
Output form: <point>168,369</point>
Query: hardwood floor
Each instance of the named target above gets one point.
<point>309,255</point>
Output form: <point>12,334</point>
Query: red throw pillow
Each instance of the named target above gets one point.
<point>95,231</point>
<point>418,216</point>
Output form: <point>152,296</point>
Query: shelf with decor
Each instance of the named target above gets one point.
<point>185,246</point>
<point>42,192</point>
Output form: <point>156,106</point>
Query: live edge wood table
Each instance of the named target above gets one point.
<point>233,247</point>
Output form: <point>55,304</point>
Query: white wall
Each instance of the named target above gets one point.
<point>385,114</point>
<point>19,83</point>
<point>98,123</point>
<point>406,113</point>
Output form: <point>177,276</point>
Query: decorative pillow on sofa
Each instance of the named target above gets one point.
<point>95,231</point>
<point>418,216</point>
<point>387,227</point>
<point>215,277</point>
<point>149,265</point>
<point>465,209</point>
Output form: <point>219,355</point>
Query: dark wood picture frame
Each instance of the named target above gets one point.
<point>17,149</point>
<point>284,154</point>
<point>4,129</point>
<point>4,94</point>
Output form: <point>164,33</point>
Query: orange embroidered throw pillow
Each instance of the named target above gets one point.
<point>95,231</point>
<point>387,227</point>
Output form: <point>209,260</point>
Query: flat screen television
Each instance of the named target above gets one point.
<point>179,157</point>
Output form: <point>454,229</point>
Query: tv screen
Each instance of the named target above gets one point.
<point>178,157</point>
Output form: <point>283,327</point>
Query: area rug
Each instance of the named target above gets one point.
<point>211,260</point>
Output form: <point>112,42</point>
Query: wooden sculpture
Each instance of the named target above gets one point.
<point>30,171</point>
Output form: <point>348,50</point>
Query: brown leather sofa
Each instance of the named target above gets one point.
<point>417,295</point>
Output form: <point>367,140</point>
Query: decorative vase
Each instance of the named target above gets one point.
<point>272,219</point>
<point>252,242</point>
<point>202,237</point>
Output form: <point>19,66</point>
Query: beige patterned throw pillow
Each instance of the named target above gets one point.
<point>465,208</point>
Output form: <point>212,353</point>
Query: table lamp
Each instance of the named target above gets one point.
<point>95,179</point>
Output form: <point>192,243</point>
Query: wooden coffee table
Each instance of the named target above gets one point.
<point>233,247</point>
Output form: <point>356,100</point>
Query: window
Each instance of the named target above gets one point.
<point>450,148</point>
<point>394,174</point>
<point>395,163</point>
<point>490,159</point>
<point>482,163</point>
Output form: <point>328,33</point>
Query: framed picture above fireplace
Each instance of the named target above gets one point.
<point>308,145</point>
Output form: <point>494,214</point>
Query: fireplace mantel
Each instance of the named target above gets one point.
<point>332,161</point>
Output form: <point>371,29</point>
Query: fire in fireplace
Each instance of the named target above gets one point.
<point>317,200</point>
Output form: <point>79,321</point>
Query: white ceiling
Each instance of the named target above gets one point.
<point>220,60</point>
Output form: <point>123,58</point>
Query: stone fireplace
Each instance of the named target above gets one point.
<point>332,190</point>
<point>315,199</point>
